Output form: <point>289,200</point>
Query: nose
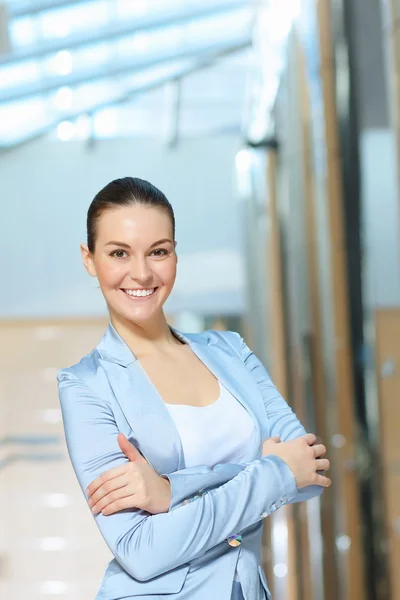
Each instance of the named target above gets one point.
<point>140,271</point>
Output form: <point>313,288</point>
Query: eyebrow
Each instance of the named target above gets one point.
<point>123,245</point>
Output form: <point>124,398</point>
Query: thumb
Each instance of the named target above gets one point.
<point>128,449</point>
<point>275,439</point>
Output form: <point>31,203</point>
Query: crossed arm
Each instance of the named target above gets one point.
<point>237,497</point>
<point>284,424</point>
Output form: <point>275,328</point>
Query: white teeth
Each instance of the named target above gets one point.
<point>139,293</point>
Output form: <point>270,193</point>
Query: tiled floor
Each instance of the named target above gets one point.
<point>50,546</point>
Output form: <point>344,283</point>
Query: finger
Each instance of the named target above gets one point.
<point>128,502</point>
<point>107,488</point>
<point>106,476</point>
<point>322,480</point>
<point>112,497</point>
<point>268,447</point>
<point>310,438</point>
<point>322,464</point>
<point>272,440</point>
<point>319,450</point>
<point>128,449</point>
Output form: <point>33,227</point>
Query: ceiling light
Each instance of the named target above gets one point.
<point>62,62</point>
<point>65,131</point>
<point>105,122</point>
<point>83,127</point>
<point>63,98</point>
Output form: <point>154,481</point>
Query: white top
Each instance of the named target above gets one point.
<point>221,432</point>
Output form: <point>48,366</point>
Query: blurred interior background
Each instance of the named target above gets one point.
<point>273,128</point>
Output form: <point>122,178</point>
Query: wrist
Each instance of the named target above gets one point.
<point>166,494</point>
<point>285,476</point>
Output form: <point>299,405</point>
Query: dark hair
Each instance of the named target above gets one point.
<point>124,192</point>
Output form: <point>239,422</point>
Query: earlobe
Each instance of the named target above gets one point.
<point>87,260</point>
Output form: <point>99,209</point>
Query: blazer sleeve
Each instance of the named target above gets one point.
<point>283,421</point>
<point>199,479</point>
<point>148,545</point>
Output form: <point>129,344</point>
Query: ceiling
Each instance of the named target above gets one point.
<point>109,68</point>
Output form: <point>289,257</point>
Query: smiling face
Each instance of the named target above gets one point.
<point>134,261</point>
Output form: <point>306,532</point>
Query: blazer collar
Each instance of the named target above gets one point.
<point>114,349</point>
<point>149,417</point>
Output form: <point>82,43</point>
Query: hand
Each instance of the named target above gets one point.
<point>132,485</point>
<point>303,456</point>
<point>269,445</point>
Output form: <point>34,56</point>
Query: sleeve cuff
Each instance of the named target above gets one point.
<point>168,478</point>
<point>285,476</point>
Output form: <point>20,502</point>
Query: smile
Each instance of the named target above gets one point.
<point>134,294</point>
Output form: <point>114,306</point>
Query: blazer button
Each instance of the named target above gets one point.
<point>191,499</point>
<point>234,540</point>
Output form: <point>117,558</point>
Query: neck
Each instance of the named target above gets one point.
<point>147,337</point>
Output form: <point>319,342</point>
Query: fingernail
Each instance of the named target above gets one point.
<point>90,502</point>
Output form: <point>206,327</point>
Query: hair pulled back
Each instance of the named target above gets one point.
<point>124,192</point>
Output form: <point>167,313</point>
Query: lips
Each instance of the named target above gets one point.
<point>141,294</point>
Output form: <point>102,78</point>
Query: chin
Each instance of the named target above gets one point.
<point>135,316</point>
<point>138,314</point>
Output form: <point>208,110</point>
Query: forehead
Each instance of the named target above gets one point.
<point>134,222</point>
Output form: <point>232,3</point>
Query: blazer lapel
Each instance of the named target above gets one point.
<point>234,376</point>
<point>154,430</point>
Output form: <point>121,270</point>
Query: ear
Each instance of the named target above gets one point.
<point>87,260</point>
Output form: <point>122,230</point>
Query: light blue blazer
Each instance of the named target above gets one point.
<point>184,551</point>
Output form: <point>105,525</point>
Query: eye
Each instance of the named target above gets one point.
<point>115,252</point>
<point>159,252</point>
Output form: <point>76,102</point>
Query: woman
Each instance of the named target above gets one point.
<point>180,442</point>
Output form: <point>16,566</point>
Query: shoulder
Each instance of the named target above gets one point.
<point>85,383</point>
<point>231,340</point>
<point>83,371</point>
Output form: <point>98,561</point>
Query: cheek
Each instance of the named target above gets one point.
<point>108,272</point>
<point>167,272</point>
